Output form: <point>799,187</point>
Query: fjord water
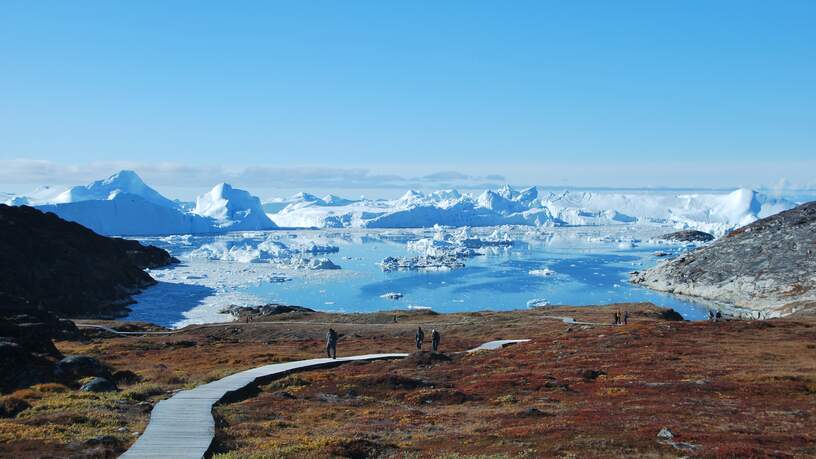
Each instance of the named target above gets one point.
<point>500,280</point>
<point>589,267</point>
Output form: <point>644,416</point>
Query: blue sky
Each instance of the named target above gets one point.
<point>583,93</point>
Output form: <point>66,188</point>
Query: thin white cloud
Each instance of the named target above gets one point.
<point>41,172</point>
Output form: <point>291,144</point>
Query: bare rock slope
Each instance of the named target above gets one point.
<point>68,269</point>
<point>769,265</point>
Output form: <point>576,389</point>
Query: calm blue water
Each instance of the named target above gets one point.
<point>499,281</point>
<point>586,273</point>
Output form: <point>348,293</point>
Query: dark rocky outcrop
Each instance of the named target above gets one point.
<point>81,366</point>
<point>671,314</point>
<point>27,353</point>
<point>266,310</point>
<point>766,266</point>
<point>688,236</point>
<point>68,269</point>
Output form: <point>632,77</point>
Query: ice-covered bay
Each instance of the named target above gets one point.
<point>570,265</point>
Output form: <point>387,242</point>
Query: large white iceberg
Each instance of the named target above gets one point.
<point>233,209</point>
<point>127,182</point>
<point>127,214</point>
<point>124,205</point>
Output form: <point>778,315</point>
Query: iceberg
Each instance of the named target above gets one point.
<point>124,205</point>
<point>129,215</point>
<point>122,182</point>
<point>269,250</point>
<point>125,197</point>
<point>233,209</point>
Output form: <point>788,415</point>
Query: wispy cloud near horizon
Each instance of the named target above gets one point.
<point>185,181</point>
<point>28,172</point>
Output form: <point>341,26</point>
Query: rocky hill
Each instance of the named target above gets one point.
<point>769,266</point>
<point>67,269</point>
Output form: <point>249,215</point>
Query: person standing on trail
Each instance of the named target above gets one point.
<point>331,344</point>
<point>625,317</point>
<point>710,315</point>
<point>435,340</point>
<point>718,316</point>
<point>616,319</point>
<point>420,337</point>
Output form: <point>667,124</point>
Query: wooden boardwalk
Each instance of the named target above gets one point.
<point>183,427</point>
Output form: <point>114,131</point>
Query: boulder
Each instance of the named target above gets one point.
<point>12,406</point>
<point>80,366</point>
<point>665,434</point>
<point>671,314</point>
<point>591,375</point>
<point>99,385</point>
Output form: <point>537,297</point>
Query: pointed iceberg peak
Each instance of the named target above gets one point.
<point>507,192</point>
<point>412,196</point>
<point>334,200</point>
<point>124,177</point>
<point>303,196</point>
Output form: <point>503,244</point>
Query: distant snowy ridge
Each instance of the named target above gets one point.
<point>124,205</point>
<point>714,213</point>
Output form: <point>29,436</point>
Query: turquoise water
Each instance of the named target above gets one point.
<point>498,281</point>
<point>590,266</point>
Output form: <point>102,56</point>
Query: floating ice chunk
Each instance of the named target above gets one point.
<point>392,295</point>
<point>423,263</point>
<point>315,248</point>
<point>544,272</point>
<point>538,302</point>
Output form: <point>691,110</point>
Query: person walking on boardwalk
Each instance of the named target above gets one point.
<point>331,344</point>
<point>420,337</point>
<point>435,337</point>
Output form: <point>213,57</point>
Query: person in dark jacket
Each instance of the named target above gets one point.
<point>625,317</point>
<point>435,337</point>
<point>331,344</point>
<point>420,337</point>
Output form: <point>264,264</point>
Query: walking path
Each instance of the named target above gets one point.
<point>183,427</point>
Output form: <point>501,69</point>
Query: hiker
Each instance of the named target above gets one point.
<point>617,318</point>
<point>718,316</point>
<point>331,344</point>
<point>710,315</point>
<point>435,340</point>
<point>625,317</point>
<point>420,337</point>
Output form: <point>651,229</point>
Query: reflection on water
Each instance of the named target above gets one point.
<point>589,265</point>
<point>584,275</point>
